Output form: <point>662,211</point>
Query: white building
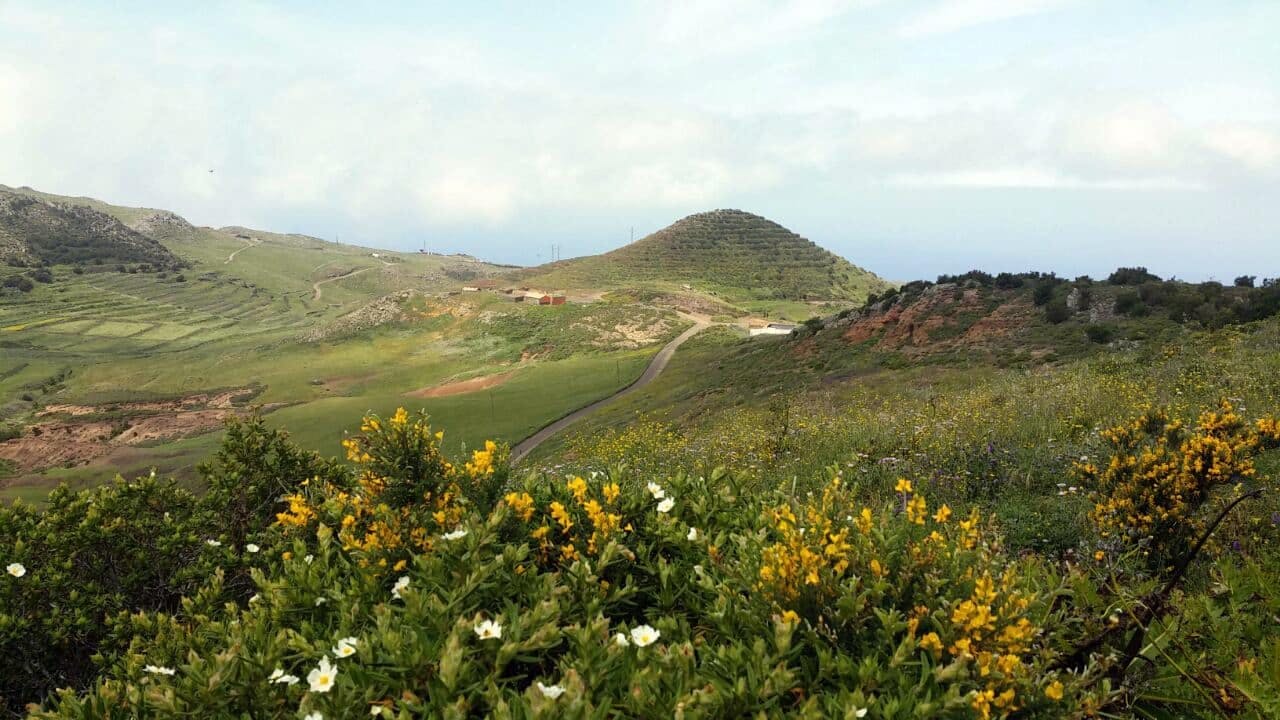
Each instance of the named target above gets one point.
<point>772,329</point>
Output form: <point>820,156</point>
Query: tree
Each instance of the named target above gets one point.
<point>1245,281</point>
<point>1132,276</point>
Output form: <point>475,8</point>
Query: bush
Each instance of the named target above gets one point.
<point>1132,276</point>
<point>1100,334</point>
<point>1057,311</point>
<point>1043,293</point>
<point>1245,281</point>
<point>89,555</point>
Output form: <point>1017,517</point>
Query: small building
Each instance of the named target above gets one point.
<point>772,329</point>
<point>551,300</point>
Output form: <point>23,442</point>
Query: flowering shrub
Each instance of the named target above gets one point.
<point>1161,474</point>
<point>398,591</point>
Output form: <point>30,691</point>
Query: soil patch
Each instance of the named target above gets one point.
<point>76,435</point>
<point>463,386</point>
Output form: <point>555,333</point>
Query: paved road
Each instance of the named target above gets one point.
<point>656,366</point>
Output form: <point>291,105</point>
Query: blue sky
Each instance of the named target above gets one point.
<point>914,137</point>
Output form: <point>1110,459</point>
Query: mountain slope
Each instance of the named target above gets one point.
<point>731,251</point>
<point>35,230</point>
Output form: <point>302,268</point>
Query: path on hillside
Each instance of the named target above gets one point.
<point>316,286</point>
<point>248,244</point>
<point>655,368</point>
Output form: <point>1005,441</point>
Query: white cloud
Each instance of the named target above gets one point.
<point>1251,147</point>
<point>953,15</point>
<point>1035,178</point>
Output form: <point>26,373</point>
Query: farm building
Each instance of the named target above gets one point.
<point>772,329</point>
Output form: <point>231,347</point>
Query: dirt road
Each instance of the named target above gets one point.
<point>315,287</point>
<point>655,368</point>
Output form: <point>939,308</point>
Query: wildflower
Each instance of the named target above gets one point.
<point>346,647</point>
<point>251,547</point>
<point>550,691</point>
<point>400,585</point>
<point>903,486</point>
<point>159,670</point>
<point>666,505</point>
<point>308,559</point>
<point>313,716</point>
<point>943,513</point>
<point>322,677</point>
<point>656,491</point>
<point>1054,691</point>
<point>693,535</point>
<point>644,635</point>
<point>279,677</point>
<point>859,712</point>
<point>255,598</point>
<point>489,630</point>
<point>213,543</point>
<point>790,617</point>
<point>455,535</point>
<point>321,600</point>
<point>16,569</point>
<point>621,640</point>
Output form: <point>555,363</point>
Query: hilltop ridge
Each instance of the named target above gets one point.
<point>730,251</point>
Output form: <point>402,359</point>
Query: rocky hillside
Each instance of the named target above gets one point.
<point>730,251</point>
<point>43,232</point>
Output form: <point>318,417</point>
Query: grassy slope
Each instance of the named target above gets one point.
<point>730,254</point>
<point>137,336</point>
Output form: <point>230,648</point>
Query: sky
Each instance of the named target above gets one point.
<point>913,137</point>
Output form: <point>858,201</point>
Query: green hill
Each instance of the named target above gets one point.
<point>731,252</point>
<point>37,231</point>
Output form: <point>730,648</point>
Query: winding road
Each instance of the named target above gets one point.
<point>655,368</point>
<point>315,287</point>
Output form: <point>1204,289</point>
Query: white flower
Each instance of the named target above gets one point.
<point>159,670</point>
<point>621,640</point>
<point>251,547</point>
<point>550,691</point>
<point>16,569</point>
<point>308,559</point>
<point>321,600</point>
<point>277,676</point>
<point>313,716</point>
<point>656,491</point>
<point>376,710</point>
<point>666,505</point>
<point>860,712</point>
<point>346,647</point>
<point>455,535</point>
<point>255,598</point>
<point>322,677</point>
<point>489,630</point>
<point>401,584</point>
<point>644,635</point>
<point>213,543</point>
<point>693,534</point>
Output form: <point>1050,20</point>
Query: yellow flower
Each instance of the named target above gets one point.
<point>561,515</point>
<point>1054,691</point>
<point>943,514</point>
<point>903,486</point>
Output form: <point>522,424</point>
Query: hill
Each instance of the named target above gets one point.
<point>43,232</point>
<point>729,252</point>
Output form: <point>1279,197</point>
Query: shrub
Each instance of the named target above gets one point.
<point>88,555</point>
<point>1100,334</point>
<point>1043,293</point>
<point>1132,276</point>
<point>1057,311</point>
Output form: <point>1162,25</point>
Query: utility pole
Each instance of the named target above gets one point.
<point>633,233</point>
